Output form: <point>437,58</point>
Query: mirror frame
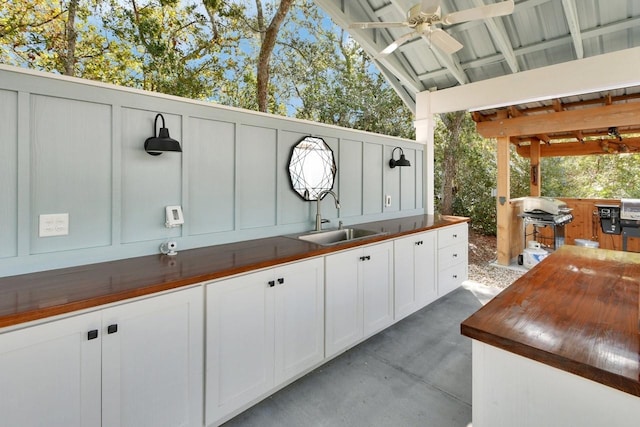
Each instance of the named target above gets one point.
<point>300,153</point>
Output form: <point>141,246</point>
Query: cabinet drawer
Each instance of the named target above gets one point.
<point>452,255</point>
<point>450,278</point>
<point>448,236</point>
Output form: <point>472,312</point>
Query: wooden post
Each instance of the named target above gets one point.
<point>502,202</point>
<point>535,183</point>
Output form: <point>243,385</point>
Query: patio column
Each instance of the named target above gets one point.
<point>503,219</point>
<point>535,183</point>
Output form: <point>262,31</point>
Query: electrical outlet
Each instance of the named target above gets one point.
<point>387,201</point>
<point>53,225</point>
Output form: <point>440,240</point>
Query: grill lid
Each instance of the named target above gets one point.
<point>630,209</point>
<point>545,205</point>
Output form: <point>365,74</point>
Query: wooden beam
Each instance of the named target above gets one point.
<point>581,148</point>
<point>563,121</point>
<point>502,203</point>
<point>535,184</point>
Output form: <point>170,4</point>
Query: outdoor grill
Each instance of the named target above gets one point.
<point>621,219</point>
<point>540,212</point>
<point>629,220</point>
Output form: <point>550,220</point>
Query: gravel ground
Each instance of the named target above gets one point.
<point>482,252</point>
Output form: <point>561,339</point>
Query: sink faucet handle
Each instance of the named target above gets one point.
<point>325,221</point>
<point>340,225</point>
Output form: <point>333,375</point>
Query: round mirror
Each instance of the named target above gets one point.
<point>312,168</point>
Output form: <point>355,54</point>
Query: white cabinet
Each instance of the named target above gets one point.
<point>415,273</point>
<point>136,364</point>
<point>359,295</point>
<point>453,255</point>
<point>152,361</point>
<point>262,329</point>
<point>50,374</point>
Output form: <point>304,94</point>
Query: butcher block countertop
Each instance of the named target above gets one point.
<point>34,296</point>
<point>577,311</point>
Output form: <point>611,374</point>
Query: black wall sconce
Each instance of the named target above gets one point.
<point>163,142</point>
<point>402,161</point>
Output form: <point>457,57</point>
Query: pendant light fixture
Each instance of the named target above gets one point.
<point>155,145</point>
<point>402,161</point>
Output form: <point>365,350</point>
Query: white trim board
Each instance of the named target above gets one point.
<point>599,73</point>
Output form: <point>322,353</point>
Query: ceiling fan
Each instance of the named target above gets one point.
<point>423,17</point>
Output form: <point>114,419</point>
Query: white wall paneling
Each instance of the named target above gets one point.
<point>76,146</point>
<point>71,171</point>
<point>352,180</point>
<point>373,165</point>
<point>211,154</point>
<point>256,176</point>
<point>392,179</point>
<point>149,183</point>
<point>9,174</point>
<point>408,182</point>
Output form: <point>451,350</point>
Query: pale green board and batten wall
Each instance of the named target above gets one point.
<point>74,146</point>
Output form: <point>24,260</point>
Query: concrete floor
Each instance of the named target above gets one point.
<point>415,373</point>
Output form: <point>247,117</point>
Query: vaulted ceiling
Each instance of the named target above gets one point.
<point>538,33</point>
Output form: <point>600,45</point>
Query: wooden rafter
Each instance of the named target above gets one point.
<point>605,146</point>
<point>617,115</point>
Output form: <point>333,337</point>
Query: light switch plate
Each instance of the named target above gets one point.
<point>387,200</point>
<point>53,225</point>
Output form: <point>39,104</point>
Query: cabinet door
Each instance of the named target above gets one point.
<point>239,342</point>
<point>425,269</point>
<point>377,285</point>
<point>50,374</point>
<point>299,318</point>
<point>343,323</point>
<point>152,361</point>
<point>415,273</point>
<point>405,292</point>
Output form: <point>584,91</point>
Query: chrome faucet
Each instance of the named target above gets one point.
<point>319,219</point>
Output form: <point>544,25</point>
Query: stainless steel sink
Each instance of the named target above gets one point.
<point>333,237</point>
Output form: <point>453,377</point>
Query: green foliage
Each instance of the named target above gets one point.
<point>605,176</point>
<point>475,173</point>
<point>208,49</point>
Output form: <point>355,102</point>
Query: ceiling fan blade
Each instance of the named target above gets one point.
<point>377,24</point>
<point>396,44</point>
<point>443,41</point>
<point>489,11</point>
<point>430,7</point>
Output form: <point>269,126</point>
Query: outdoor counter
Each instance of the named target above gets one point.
<point>577,312</point>
<point>34,296</point>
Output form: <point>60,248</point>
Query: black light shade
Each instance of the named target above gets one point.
<point>163,142</point>
<point>402,161</point>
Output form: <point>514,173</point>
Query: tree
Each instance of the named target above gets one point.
<point>453,133</point>
<point>332,80</point>
<point>43,34</point>
<point>268,36</point>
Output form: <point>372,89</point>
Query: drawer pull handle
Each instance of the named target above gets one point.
<point>365,258</point>
<point>419,242</point>
<point>455,255</point>
<point>455,236</point>
<point>112,329</point>
<point>455,276</point>
<point>281,280</point>
<point>92,334</point>
<point>271,283</point>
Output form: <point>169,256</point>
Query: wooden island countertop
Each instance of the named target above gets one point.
<point>34,296</point>
<point>577,311</point>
